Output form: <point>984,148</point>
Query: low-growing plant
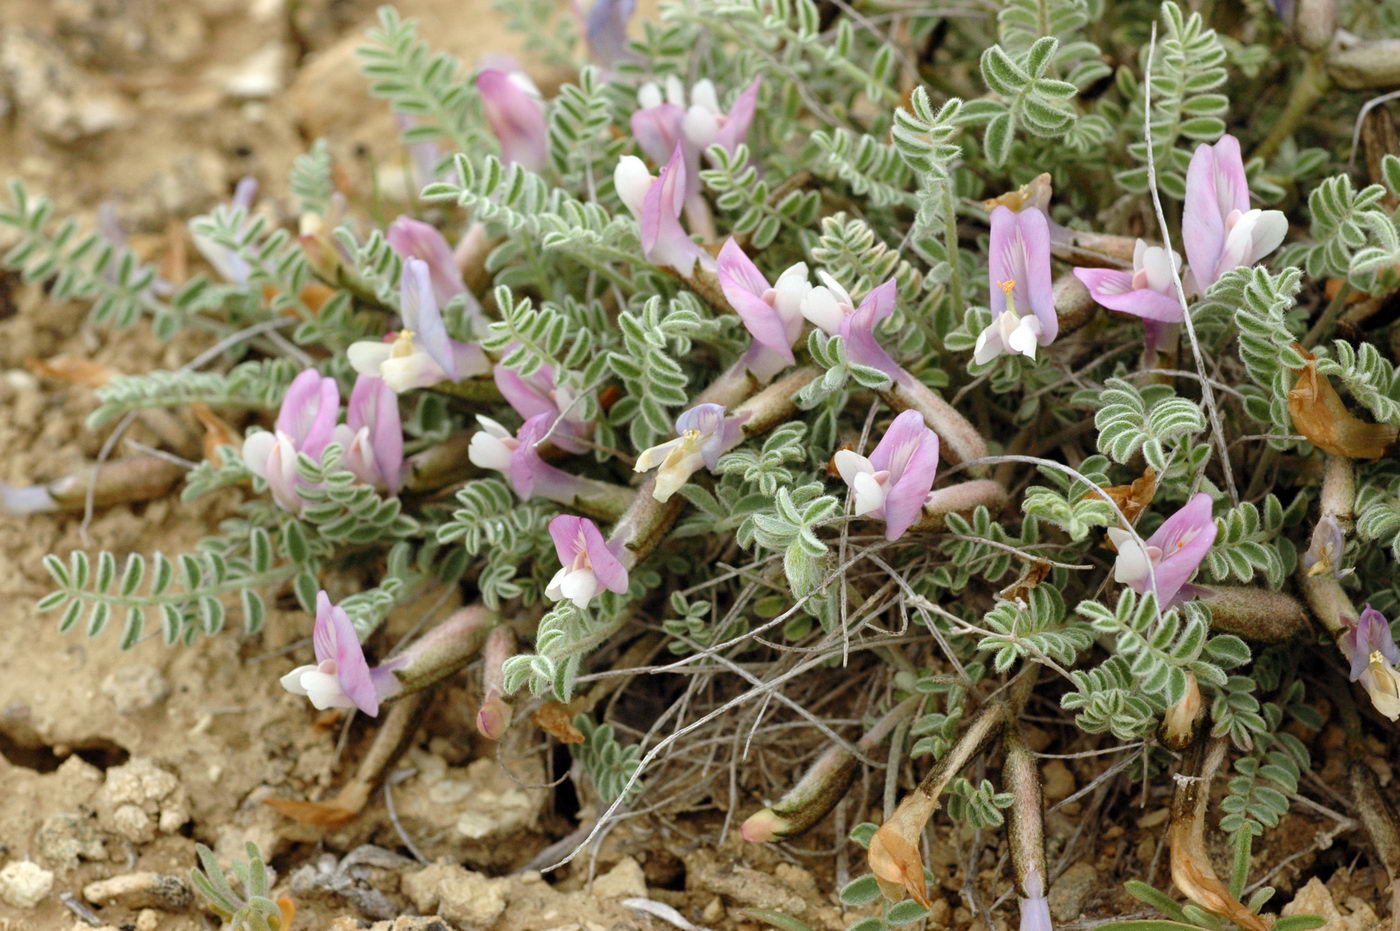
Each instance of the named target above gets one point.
<point>793,344</point>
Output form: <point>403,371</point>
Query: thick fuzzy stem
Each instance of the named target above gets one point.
<point>494,717</point>
<point>958,440</point>
<point>445,649</point>
<point>1026,830</point>
<point>1375,63</point>
<point>962,499</point>
<point>125,481</point>
<point>1253,613</point>
<point>822,786</point>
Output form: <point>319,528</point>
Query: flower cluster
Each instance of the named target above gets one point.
<point>371,436</point>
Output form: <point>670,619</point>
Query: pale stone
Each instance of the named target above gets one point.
<point>141,890</point>
<point>24,884</point>
<point>624,881</point>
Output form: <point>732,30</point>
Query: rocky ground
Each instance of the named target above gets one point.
<point>114,764</point>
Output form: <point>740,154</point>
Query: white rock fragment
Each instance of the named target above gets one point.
<point>24,884</point>
<point>258,76</point>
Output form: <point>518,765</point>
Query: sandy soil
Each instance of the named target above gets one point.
<point>115,764</point>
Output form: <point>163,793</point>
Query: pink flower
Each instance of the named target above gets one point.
<point>663,123</point>
<point>422,354</point>
<point>1219,230</point>
<point>1147,291</point>
<point>1171,555</point>
<point>1370,647</point>
<point>771,313</point>
<point>305,424</point>
<point>518,458</point>
<point>657,202</point>
<point>1022,295</point>
<point>894,482</point>
<point>538,393</point>
<point>588,564</point>
<point>704,434</point>
<point>515,110</point>
<point>414,239</point>
<point>372,434</point>
<point>341,676</point>
<point>830,307</point>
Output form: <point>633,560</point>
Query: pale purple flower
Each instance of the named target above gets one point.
<point>605,31</point>
<point>657,202</point>
<point>1370,648</point>
<point>771,313</point>
<point>589,565</point>
<point>1035,907</point>
<point>1171,555</point>
<point>414,239</point>
<point>372,434</point>
<point>517,457</point>
<point>422,354</point>
<point>893,483</point>
<point>1022,294</point>
<point>539,393</point>
<point>1219,229</point>
<point>657,126</point>
<point>515,110</point>
<point>1324,555</point>
<point>228,263</point>
<point>341,676</point>
<point>704,434</point>
<point>829,307</point>
<point>305,424</point>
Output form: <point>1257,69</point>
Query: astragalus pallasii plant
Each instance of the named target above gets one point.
<point>875,378</point>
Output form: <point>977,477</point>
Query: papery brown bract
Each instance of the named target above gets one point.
<point>1320,414</point>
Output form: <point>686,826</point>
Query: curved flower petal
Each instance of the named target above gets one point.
<point>334,638</point>
<point>516,116</point>
<point>735,128</point>
<point>309,411</point>
<point>1183,539</point>
<point>1114,290</point>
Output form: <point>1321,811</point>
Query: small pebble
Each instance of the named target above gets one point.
<point>24,884</point>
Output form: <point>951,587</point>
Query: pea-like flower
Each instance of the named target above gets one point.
<point>414,239</point>
<point>1170,556</point>
<point>605,31</point>
<point>341,677</point>
<point>305,424</point>
<point>657,202</point>
<point>540,393</point>
<point>1147,291</point>
<point>228,263</point>
<point>421,354</point>
<point>1022,294</point>
<point>372,434</point>
<point>1324,555</point>
<point>516,456</point>
<point>704,434</point>
<point>589,565</point>
<point>667,118</point>
<point>771,313</point>
<point>515,110</point>
<point>1218,228</point>
<point>1370,647</point>
<point>829,306</point>
<point>894,482</point>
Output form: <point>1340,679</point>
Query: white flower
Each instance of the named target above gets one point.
<point>491,446</point>
<point>1009,332</point>
<point>869,486</point>
<point>827,304</point>
<point>318,683</point>
<point>402,364</point>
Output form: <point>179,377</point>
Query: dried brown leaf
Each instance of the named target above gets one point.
<point>1320,414</point>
